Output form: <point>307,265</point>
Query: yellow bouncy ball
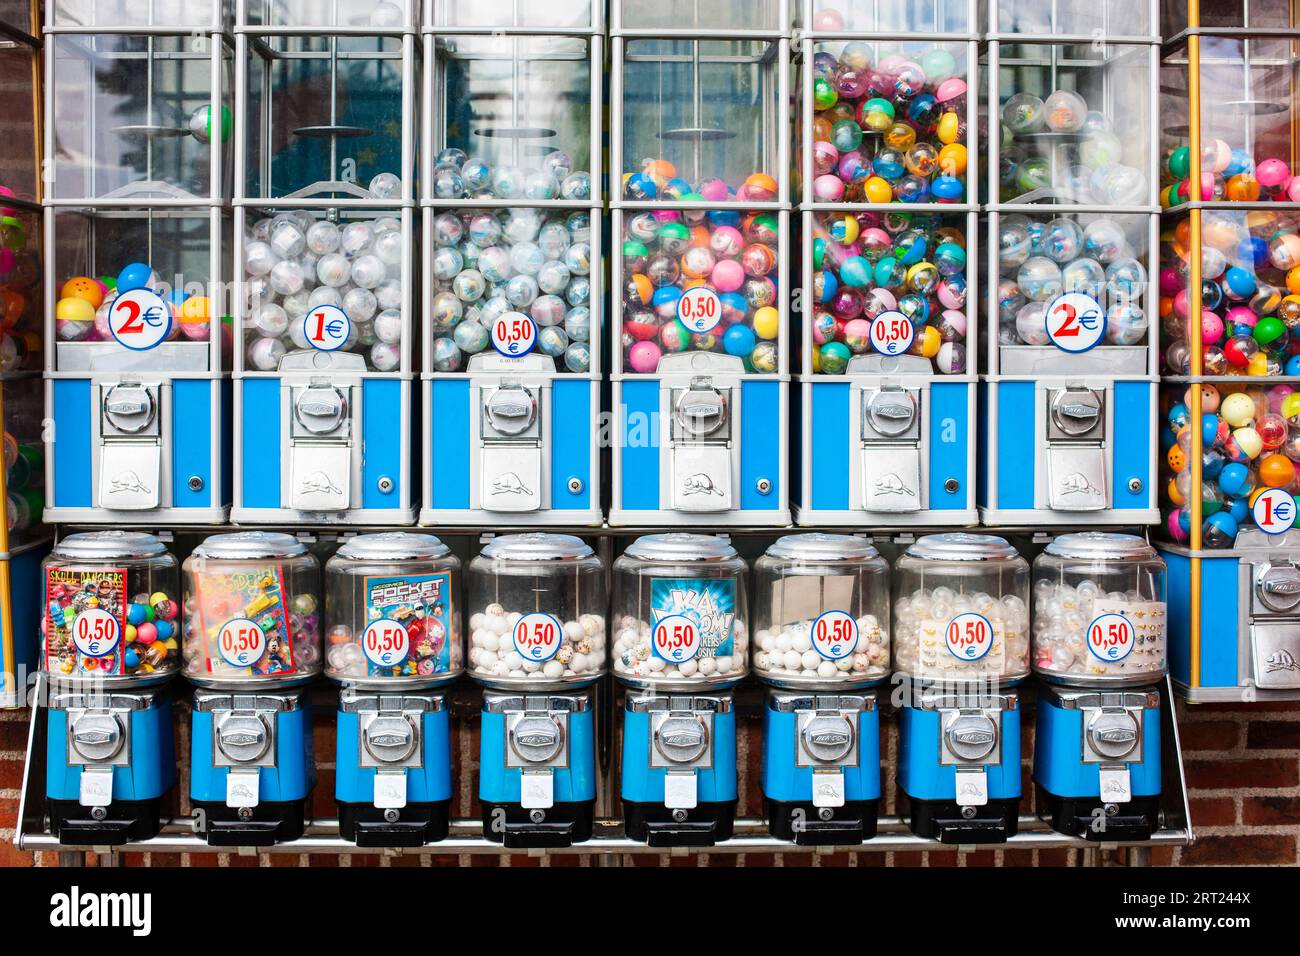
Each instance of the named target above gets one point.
<point>949,128</point>
<point>927,342</point>
<point>952,159</point>
<point>74,309</point>
<point>1258,364</point>
<point>1249,442</point>
<point>1237,409</point>
<point>1176,496</point>
<point>83,287</point>
<point>816,360</point>
<point>767,323</point>
<point>878,190</point>
<point>196,308</point>
<point>1177,459</point>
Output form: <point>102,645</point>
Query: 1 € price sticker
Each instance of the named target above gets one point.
<point>1110,637</point>
<point>139,319</point>
<point>241,642</point>
<point>1274,511</point>
<point>676,639</point>
<point>514,334</point>
<point>95,632</point>
<point>834,635</point>
<point>327,328</point>
<point>892,333</point>
<point>386,643</point>
<point>537,636</point>
<point>969,636</point>
<point>1075,322</point>
<point>699,309</point>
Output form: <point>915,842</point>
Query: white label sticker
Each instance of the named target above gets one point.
<point>139,319</point>
<point>326,328</point>
<point>680,791</point>
<point>699,309</point>
<point>676,639</point>
<point>243,788</point>
<point>1274,511</point>
<point>1111,637</point>
<point>1115,785</point>
<point>892,333</point>
<point>828,789</point>
<point>969,636</point>
<point>1075,322</point>
<point>96,786</point>
<point>95,632</point>
<point>834,635</point>
<point>537,636</point>
<point>386,643</point>
<point>537,790</point>
<point>241,642</point>
<point>390,790</point>
<point>972,788</point>
<point>514,334</point>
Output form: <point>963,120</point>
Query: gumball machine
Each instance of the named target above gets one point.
<point>886,154</point>
<point>251,647</point>
<point>392,619</point>
<point>109,645</point>
<point>681,642</point>
<point>324,268</point>
<point>1071,186</point>
<point>537,645</point>
<point>821,644</point>
<point>138,232</point>
<point>961,645</point>
<point>700,148</point>
<point>513,237</point>
<point>1099,650</point>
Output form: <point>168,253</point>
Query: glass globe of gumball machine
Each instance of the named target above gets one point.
<point>681,642</point>
<point>251,646</point>
<point>961,645</point>
<point>821,644</point>
<point>700,148</point>
<point>136,180</point>
<point>324,269</point>
<point>1099,651</point>
<point>513,284</point>
<point>393,641</point>
<point>537,605</point>
<point>1073,236</point>
<point>109,646</point>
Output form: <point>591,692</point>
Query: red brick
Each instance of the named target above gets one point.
<point>202,859</point>
<point>1273,735</point>
<point>981,858</point>
<point>1211,735</point>
<point>1018,858</point>
<point>1234,774</point>
<point>1258,707</point>
<point>1268,811</point>
<point>1057,857</point>
<point>941,858</point>
<point>10,855</point>
<point>1213,812</point>
<point>870,859</point>
<point>11,774</point>
<point>13,734</point>
<point>1259,849</point>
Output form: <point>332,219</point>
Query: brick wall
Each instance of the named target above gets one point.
<point>1243,768</point>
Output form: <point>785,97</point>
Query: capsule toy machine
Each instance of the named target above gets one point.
<point>681,643</point>
<point>1072,244</point>
<point>537,605</point>
<point>821,645</point>
<point>513,277</point>
<point>138,233</point>
<point>325,269</point>
<point>251,647</point>
<point>886,391</point>
<point>393,642</point>
<point>701,153</point>
<point>110,638</point>
<point>961,647</point>
<point>1100,621</point>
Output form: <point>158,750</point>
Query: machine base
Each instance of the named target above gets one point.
<point>1136,820</point>
<point>563,825</point>
<point>656,825</point>
<point>845,826</point>
<point>266,824</point>
<point>127,821</point>
<point>414,825</point>
<point>943,820</point>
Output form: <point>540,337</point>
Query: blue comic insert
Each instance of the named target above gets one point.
<point>710,605</point>
<point>408,623</point>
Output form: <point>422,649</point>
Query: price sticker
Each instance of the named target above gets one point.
<point>95,632</point>
<point>892,333</point>
<point>139,319</point>
<point>326,328</point>
<point>1274,511</point>
<point>386,643</point>
<point>834,635</point>
<point>969,636</point>
<point>699,309</point>
<point>1110,637</point>
<point>1075,322</point>
<point>514,334</point>
<point>537,636</point>
<point>676,639</point>
<point>241,642</point>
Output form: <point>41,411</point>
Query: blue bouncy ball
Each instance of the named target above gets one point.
<point>913,252</point>
<point>889,273</point>
<point>664,301</point>
<point>1254,252</point>
<point>856,272</point>
<point>135,614</point>
<point>1185,521</point>
<point>739,340</point>
<point>676,188</point>
<point>1293,365</point>
<point>1167,438</point>
<point>136,275</point>
<point>923,110</point>
<point>1239,508</point>
<point>640,186</point>
<point>1209,429</point>
<point>724,217</point>
<point>1234,479</point>
<point>1240,161</point>
<point>1239,282</point>
<point>1211,465</point>
<point>131,657</point>
<point>830,285</point>
<point>164,629</point>
<point>1219,530</point>
<point>734,306</point>
<point>1178,416</point>
<point>947,188</point>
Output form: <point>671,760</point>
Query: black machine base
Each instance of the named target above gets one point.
<point>263,825</point>
<point>656,825</point>
<point>124,821</point>
<point>945,821</point>
<point>806,825</point>
<point>1090,819</point>
<point>561,825</point>
<point>413,825</point>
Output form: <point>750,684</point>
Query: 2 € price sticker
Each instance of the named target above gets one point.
<point>1075,322</point>
<point>139,319</point>
<point>892,333</point>
<point>969,636</point>
<point>95,632</point>
<point>834,635</point>
<point>1274,511</point>
<point>699,309</point>
<point>514,334</point>
<point>1110,637</point>
<point>537,636</point>
<point>386,643</point>
<point>676,639</point>
<point>326,327</point>
<point>241,642</point>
